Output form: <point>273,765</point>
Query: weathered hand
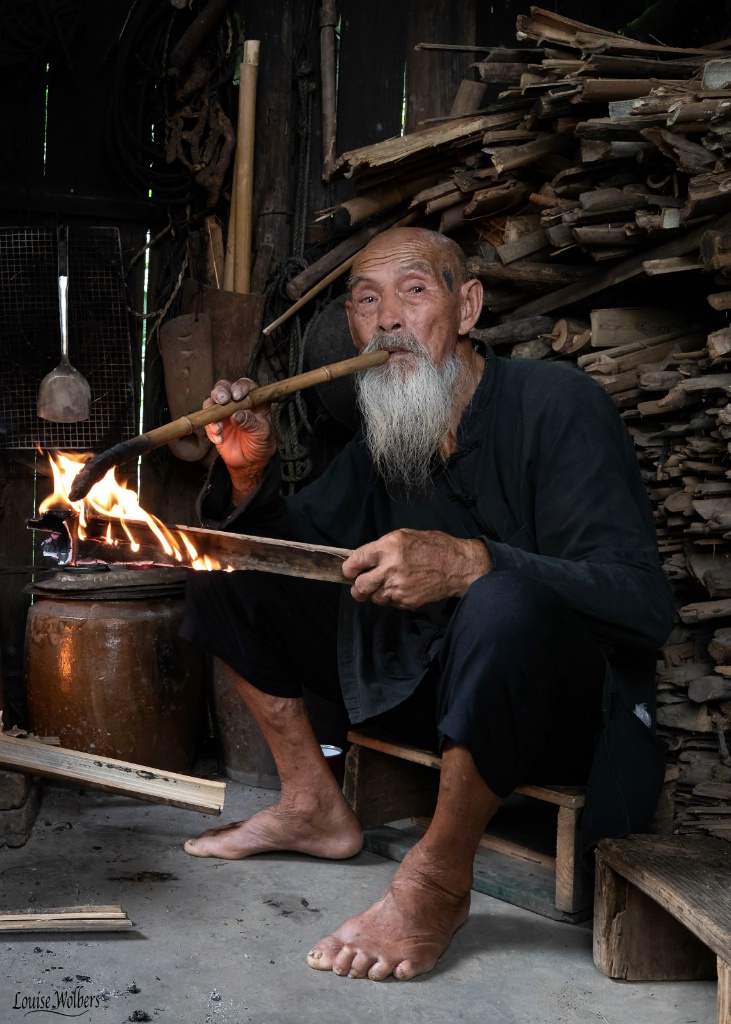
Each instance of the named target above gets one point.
<point>245,441</point>
<point>410,568</point>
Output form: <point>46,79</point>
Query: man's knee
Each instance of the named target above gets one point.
<point>507,605</point>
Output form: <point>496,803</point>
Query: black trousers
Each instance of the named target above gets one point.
<point>517,680</point>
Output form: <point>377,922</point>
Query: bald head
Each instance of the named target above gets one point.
<point>438,252</point>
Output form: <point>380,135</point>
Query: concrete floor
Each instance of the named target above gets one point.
<point>224,943</point>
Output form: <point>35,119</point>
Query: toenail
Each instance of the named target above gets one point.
<point>315,954</point>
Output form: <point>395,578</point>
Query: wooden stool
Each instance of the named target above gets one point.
<point>387,782</point>
<point>662,911</point>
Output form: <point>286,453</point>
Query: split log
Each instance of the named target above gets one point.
<point>524,246</point>
<point>514,331</point>
<point>570,336</point>
<point>719,301</point>
<point>618,326</point>
<point>689,156</point>
<point>527,275</point>
<point>626,270</point>
<point>539,348</point>
<point>706,688</point>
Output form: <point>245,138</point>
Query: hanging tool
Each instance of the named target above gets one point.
<point>64,395</point>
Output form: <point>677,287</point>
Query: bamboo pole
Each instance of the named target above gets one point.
<point>245,166</point>
<point>328,22</point>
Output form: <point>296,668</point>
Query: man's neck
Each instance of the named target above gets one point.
<point>473,365</point>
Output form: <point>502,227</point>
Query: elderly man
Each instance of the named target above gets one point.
<point>506,597</point>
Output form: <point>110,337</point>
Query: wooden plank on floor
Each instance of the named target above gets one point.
<point>116,776</point>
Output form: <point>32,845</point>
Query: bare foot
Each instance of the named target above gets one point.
<point>405,932</point>
<point>327,829</point>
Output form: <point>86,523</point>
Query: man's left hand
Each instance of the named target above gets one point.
<point>410,568</point>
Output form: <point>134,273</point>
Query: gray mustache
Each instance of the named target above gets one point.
<point>399,339</point>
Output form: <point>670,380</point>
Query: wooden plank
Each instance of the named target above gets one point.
<point>80,913</point>
<point>113,775</point>
<point>688,876</point>
<point>66,925</point>
<point>574,884</point>
<point>564,796</point>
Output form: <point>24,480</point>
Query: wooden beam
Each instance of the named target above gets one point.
<point>158,787</point>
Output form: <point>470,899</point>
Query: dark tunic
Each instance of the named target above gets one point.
<point>544,472</point>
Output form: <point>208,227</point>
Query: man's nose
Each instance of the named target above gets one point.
<point>389,315</point>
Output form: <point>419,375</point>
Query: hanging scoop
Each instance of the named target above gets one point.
<point>64,395</point>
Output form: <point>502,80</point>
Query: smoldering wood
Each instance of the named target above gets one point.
<point>112,542</point>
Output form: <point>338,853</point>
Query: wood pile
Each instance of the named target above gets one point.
<point>603,167</point>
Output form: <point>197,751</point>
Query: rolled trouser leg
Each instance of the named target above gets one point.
<point>277,632</point>
<point>519,684</point>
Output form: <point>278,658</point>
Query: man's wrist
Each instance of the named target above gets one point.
<point>244,483</point>
<point>480,558</point>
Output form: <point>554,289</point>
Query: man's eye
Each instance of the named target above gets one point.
<point>417,288</point>
<point>367,298</point>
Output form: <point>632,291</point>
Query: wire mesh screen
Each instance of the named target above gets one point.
<point>30,336</point>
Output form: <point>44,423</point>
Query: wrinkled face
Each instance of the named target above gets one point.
<point>403,282</point>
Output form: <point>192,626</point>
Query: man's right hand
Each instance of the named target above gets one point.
<point>245,441</point>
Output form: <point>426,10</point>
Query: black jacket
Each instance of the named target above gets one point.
<point>546,473</point>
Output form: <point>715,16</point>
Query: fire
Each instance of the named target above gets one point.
<point>110,499</point>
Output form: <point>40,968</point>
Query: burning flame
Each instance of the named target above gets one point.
<point>112,500</point>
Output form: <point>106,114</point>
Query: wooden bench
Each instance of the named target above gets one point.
<point>662,911</point>
<point>529,855</point>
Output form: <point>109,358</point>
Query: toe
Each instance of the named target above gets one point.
<point>344,960</point>
<point>322,956</point>
<point>380,970</point>
<point>361,965</point>
<point>407,969</point>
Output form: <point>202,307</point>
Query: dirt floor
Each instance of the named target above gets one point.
<point>225,942</point>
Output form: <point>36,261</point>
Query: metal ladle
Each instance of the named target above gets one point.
<point>64,395</point>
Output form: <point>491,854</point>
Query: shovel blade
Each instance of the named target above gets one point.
<point>64,396</point>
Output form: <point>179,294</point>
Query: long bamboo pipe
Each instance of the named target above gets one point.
<point>97,467</point>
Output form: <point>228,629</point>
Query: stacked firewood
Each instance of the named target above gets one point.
<point>604,163</point>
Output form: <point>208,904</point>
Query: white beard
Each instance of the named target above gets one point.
<point>407,410</point>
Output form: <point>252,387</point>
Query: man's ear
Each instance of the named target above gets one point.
<point>470,297</point>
